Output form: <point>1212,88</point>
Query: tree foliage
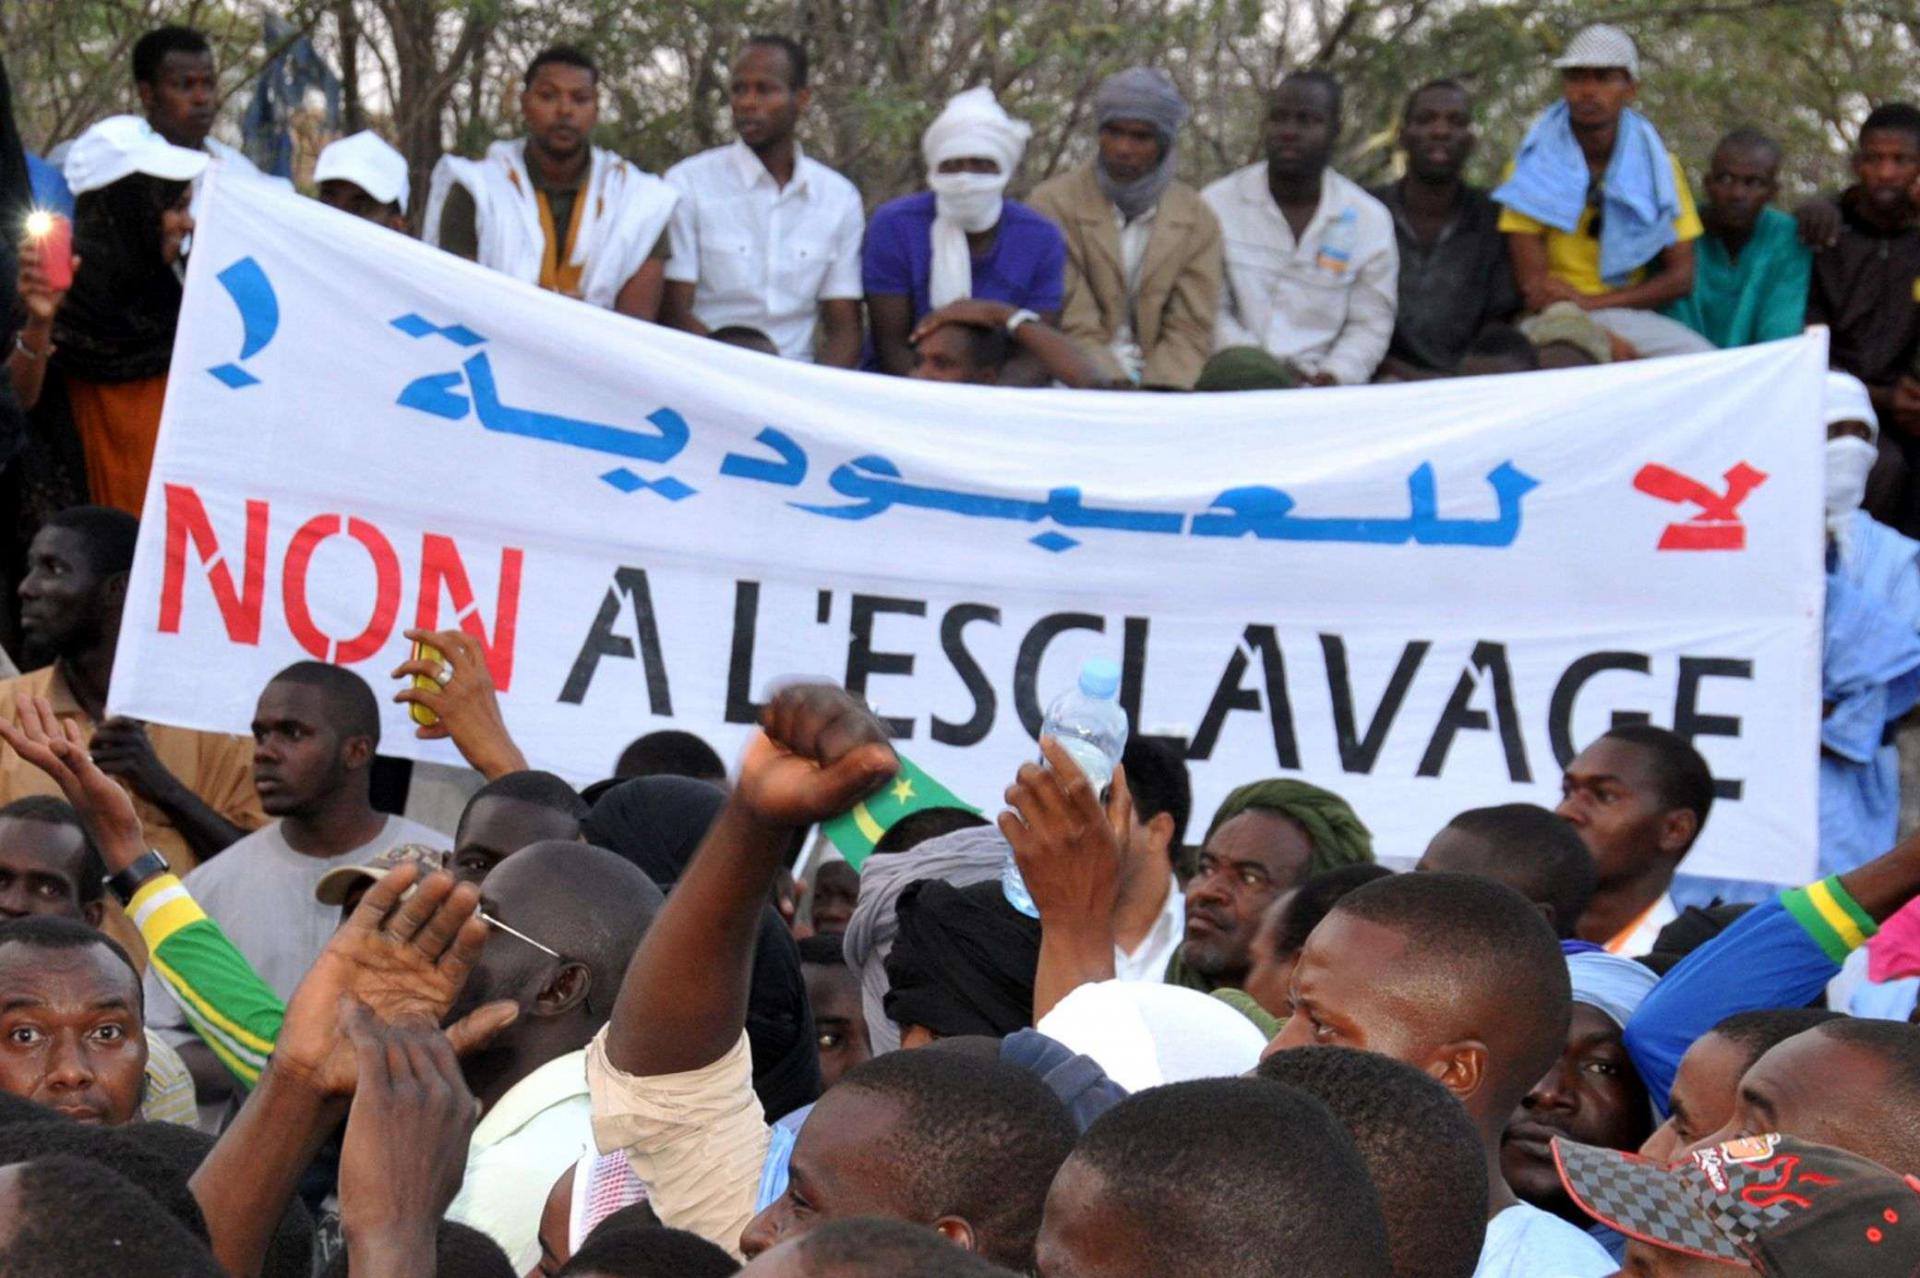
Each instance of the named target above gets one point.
<point>437,74</point>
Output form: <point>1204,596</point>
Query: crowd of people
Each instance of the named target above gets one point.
<point>256,1021</point>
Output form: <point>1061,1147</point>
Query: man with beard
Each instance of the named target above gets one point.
<point>192,790</point>
<point>1455,274</point>
<point>765,236</point>
<point>315,730</point>
<point>552,209</point>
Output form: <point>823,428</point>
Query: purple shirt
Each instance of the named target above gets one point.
<point>1027,266</point>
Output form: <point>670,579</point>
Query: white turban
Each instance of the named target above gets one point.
<point>1848,401</point>
<point>973,125</point>
<point>1145,1034</point>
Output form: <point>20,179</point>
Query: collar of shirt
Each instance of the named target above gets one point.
<point>751,172</point>
<point>1148,962</point>
<point>1255,191</point>
<point>555,1083</point>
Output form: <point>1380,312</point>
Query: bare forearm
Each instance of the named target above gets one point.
<point>684,999</point>
<point>391,1254</point>
<point>206,831</point>
<point>1883,885</point>
<point>246,1180</point>
<point>840,347</point>
<point>1059,355</point>
<point>1069,958</point>
<point>27,362</point>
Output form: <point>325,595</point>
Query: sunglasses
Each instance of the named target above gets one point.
<point>547,950</point>
<point>1596,202</point>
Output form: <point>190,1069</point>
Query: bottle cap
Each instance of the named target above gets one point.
<point>1099,677</point>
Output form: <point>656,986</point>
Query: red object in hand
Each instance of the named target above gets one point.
<point>56,252</point>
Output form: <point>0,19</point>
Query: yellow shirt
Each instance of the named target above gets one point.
<point>1574,256</point>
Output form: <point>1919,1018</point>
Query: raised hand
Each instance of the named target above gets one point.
<point>405,1150</point>
<point>1067,847</point>
<point>57,748</point>
<point>463,699</point>
<point>819,752</point>
<point>404,956</point>
<point>1068,850</point>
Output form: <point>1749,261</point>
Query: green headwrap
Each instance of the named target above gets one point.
<point>1245,368</point>
<point>1336,832</point>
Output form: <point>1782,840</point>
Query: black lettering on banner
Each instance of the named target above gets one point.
<point>1489,662</point>
<point>1690,723</point>
<point>746,626</point>
<point>601,641</point>
<point>1133,667</point>
<point>1358,754</point>
<point>1026,666</point>
<point>1567,691</point>
<point>979,687</point>
<point>1229,696</point>
<point>863,661</point>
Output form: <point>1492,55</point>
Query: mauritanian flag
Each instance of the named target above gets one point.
<point>855,831</point>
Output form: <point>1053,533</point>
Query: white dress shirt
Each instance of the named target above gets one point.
<point>1149,959</point>
<point>763,255</point>
<point>1324,302</point>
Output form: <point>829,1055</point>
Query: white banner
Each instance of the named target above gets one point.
<point>1424,597</point>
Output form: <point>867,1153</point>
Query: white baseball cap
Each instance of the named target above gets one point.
<point>121,145</point>
<point>367,161</point>
<point>1601,46</point>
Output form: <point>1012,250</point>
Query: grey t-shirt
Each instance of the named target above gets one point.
<point>260,892</point>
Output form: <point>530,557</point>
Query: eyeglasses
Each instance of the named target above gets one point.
<point>547,950</point>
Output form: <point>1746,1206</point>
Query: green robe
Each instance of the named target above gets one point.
<point>1759,297</point>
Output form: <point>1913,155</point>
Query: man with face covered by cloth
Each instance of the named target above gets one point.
<point>962,238</point>
<point>1143,251</point>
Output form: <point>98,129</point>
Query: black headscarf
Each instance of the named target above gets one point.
<point>964,961</point>
<point>657,823</point>
<point>118,321</point>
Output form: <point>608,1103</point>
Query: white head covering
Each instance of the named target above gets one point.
<point>973,124</point>
<point>1848,401</point>
<point>1850,459</point>
<point>1144,1034</point>
<point>1613,984</point>
<point>122,145</point>
<point>367,161</point>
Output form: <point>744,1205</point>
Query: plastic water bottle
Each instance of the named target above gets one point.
<point>1090,726</point>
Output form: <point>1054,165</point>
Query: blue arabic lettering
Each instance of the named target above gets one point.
<point>1267,513</point>
<point>788,471</point>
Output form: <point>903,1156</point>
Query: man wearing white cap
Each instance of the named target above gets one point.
<point>1597,211</point>
<point>551,208</point>
<point>765,236</point>
<point>1870,666</point>
<point>364,176</point>
<point>1312,268</point>
<point>962,238</point>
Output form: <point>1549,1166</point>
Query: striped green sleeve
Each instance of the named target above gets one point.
<point>233,1011</point>
<point>1833,919</point>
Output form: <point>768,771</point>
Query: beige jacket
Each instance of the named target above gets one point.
<point>1179,278</point>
